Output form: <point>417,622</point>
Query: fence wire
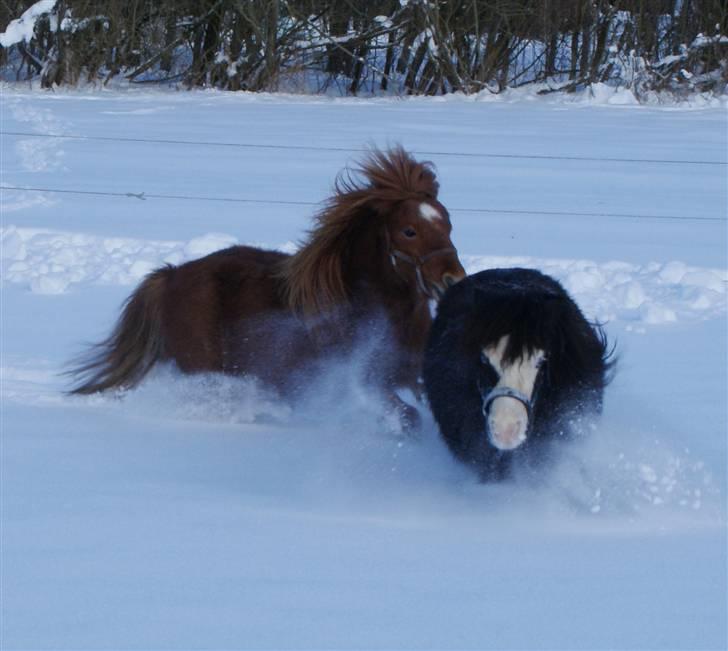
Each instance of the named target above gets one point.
<point>143,196</point>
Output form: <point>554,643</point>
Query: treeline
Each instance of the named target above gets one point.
<point>354,46</point>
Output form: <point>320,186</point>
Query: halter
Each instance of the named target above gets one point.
<point>416,261</point>
<point>507,392</point>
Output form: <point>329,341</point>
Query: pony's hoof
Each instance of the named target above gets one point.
<point>410,420</point>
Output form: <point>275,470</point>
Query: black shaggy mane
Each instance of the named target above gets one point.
<point>537,314</point>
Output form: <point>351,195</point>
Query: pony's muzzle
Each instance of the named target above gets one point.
<point>506,422</point>
<point>507,436</point>
<point>448,280</point>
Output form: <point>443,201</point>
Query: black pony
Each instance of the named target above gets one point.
<point>511,363</point>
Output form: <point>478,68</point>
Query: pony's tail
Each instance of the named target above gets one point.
<point>135,344</point>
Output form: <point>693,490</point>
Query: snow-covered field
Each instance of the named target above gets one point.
<point>201,512</point>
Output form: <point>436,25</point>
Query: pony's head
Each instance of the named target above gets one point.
<point>509,395</point>
<point>537,353</point>
<point>418,246</point>
<point>511,357</point>
<point>516,333</point>
<point>402,192</point>
<point>385,227</point>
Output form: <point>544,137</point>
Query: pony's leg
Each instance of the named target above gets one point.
<point>418,390</point>
<point>396,372</point>
<point>409,417</point>
<point>409,414</point>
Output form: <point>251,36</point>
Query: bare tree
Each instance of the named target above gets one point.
<point>414,47</point>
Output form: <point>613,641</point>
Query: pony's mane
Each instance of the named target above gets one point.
<point>314,278</point>
<point>539,318</point>
<point>528,319</point>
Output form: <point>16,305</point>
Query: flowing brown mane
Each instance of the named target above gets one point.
<point>314,276</point>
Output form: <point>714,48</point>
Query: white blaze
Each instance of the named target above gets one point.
<point>508,418</point>
<point>429,212</point>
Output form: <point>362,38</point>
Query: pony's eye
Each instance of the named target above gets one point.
<point>409,232</point>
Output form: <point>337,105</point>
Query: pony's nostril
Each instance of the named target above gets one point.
<point>510,432</point>
<point>449,280</point>
<point>508,435</point>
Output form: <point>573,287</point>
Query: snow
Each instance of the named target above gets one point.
<point>21,29</point>
<point>202,512</point>
<point>54,262</point>
<point>701,40</point>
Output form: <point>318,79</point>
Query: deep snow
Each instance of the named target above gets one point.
<point>203,513</point>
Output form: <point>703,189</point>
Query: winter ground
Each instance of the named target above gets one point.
<point>203,513</point>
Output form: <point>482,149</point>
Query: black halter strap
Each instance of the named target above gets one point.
<point>506,392</point>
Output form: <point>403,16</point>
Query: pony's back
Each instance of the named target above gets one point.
<point>187,314</point>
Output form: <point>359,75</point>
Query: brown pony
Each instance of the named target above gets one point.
<point>379,251</point>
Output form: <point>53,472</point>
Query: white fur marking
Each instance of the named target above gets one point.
<point>429,212</point>
<point>508,418</point>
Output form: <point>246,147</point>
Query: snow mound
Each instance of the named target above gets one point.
<point>49,263</point>
<point>639,295</point>
<point>636,294</point>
